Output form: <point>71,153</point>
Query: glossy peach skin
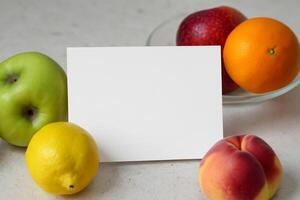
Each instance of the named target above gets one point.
<point>240,167</point>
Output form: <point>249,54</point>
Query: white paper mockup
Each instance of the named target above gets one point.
<point>147,103</point>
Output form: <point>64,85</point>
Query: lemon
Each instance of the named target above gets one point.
<point>62,158</point>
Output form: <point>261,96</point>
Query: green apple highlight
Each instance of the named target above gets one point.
<point>33,93</point>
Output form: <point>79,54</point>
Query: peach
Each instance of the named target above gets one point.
<point>240,167</point>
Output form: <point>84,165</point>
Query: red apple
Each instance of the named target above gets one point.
<point>211,27</point>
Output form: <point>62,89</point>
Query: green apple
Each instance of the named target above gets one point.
<point>33,93</point>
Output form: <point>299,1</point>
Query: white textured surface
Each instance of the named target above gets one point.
<point>50,26</point>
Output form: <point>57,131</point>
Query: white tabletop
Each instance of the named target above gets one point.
<point>51,26</point>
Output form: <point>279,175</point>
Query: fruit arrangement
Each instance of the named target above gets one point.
<point>61,157</point>
<point>259,55</point>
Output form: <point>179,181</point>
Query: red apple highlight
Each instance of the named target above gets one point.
<point>240,167</point>
<point>211,27</point>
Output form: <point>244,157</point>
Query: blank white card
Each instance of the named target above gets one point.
<point>147,103</point>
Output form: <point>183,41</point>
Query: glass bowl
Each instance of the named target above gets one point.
<point>165,35</point>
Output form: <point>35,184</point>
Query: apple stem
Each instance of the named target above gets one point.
<point>30,112</point>
<point>12,79</point>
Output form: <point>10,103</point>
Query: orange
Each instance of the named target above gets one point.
<point>262,55</point>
